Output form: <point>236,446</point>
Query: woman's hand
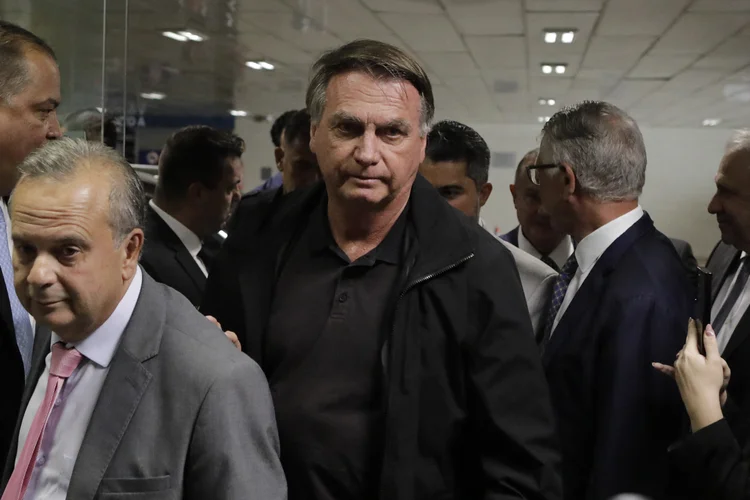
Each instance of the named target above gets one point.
<point>701,379</point>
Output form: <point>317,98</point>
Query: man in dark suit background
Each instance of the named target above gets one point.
<point>200,173</point>
<point>534,234</point>
<point>29,96</point>
<point>620,302</point>
<point>297,165</point>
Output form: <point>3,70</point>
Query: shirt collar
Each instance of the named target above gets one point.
<point>389,250</point>
<point>187,237</point>
<point>591,248</point>
<point>100,346</point>
<point>560,254</point>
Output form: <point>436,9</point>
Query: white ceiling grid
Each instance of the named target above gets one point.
<point>669,62</point>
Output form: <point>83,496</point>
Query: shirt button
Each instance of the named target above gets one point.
<point>41,460</point>
<point>57,403</point>
<point>343,297</point>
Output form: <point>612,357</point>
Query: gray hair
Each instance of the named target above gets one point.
<point>740,141</point>
<point>604,147</point>
<point>527,160</point>
<point>62,158</point>
<point>377,59</point>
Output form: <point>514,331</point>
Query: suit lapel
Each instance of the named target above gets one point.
<point>121,393</point>
<point>589,293</point>
<point>181,254</point>
<point>740,333</point>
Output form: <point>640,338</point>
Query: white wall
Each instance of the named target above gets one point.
<point>679,179</point>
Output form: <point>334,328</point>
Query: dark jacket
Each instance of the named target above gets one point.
<point>511,236</point>
<point>467,413</point>
<point>11,372</point>
<point>616,414</point>
<point>166,259</point>
<point>715,462</point>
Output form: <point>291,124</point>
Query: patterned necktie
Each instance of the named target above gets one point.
<point>559,290</point>
<point>64,362</point>
<point>551,263</point>
<point>21,321</point>
<point>734,294</point>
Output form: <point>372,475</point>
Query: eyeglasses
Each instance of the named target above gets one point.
<point>533,171</point>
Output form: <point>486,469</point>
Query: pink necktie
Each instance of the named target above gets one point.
<point>64,362</point>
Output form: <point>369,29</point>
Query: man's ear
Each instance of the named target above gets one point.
<point>131,248</point>
<point>195,191</point>
<point>313,130</point>
<point>484,193</point>
<point>279,155</point>
<point>512,189</point>
<point>570,179</point>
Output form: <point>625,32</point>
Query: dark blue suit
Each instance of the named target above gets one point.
<point>616,415</point>
<point>511,236</point>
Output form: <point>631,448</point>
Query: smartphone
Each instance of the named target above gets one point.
<point>702,307</point>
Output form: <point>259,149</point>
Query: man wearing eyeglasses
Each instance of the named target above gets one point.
<point>534,233</point>
<point>621,300</point>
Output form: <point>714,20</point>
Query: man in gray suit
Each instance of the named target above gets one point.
<point>457,163</point>
<point>134,392</point>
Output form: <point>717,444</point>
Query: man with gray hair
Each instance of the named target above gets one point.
<point>132,392</point>
<point>393,329</point>
<point>29,96</point>
<point>622,300</point>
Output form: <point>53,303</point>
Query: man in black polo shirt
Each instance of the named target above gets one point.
<point>393,330</point>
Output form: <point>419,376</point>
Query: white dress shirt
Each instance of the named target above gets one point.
<point>559,255</point>
<point>71,412</point>
<point>591,248</point>
<point>736,313</point>
<point>187,237</point>
<point>9,241</point>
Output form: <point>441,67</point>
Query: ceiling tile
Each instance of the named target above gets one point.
<point>615,52</point>
<point>425,32</point>
<point>639,17</point>
<point>564,5</point>
<point>660,66</point>
<point>492,52</point>
<point>262,6</point>
<point>405,6</point>
<point>283,26</point>
<point>698,33</point>
<point>275,49</point>
<point>450,63</point>
<point>349,20</point>
<point>506,81</point>
<point>691,80</point>
<point>628,92</point>
<point>720,6</point>
<point>583,22</point>
<point>500,17</point>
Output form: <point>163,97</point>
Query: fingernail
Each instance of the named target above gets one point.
<point>710,331</point>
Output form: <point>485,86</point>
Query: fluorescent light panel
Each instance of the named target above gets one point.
<point>238,112</point>
<point>559,35</point>
<point>155,96</point>
<point>711,122</point>
<point>175,36</point>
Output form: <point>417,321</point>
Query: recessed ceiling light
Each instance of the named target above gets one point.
<point>260,65</point>
<point>560,69</point>
<point>156,96</point>
<point>175,36</point>
<point>711,122</point>
<point>546,69</point>
<point>551,102</point>
<point>550,37</point>
<point>237,112</point>
<point>193,36</point>
<point>546,102</point>
<point>567,36</point>
<point>542,102</point>
<point>99,109</point>
<point>543,119</point>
